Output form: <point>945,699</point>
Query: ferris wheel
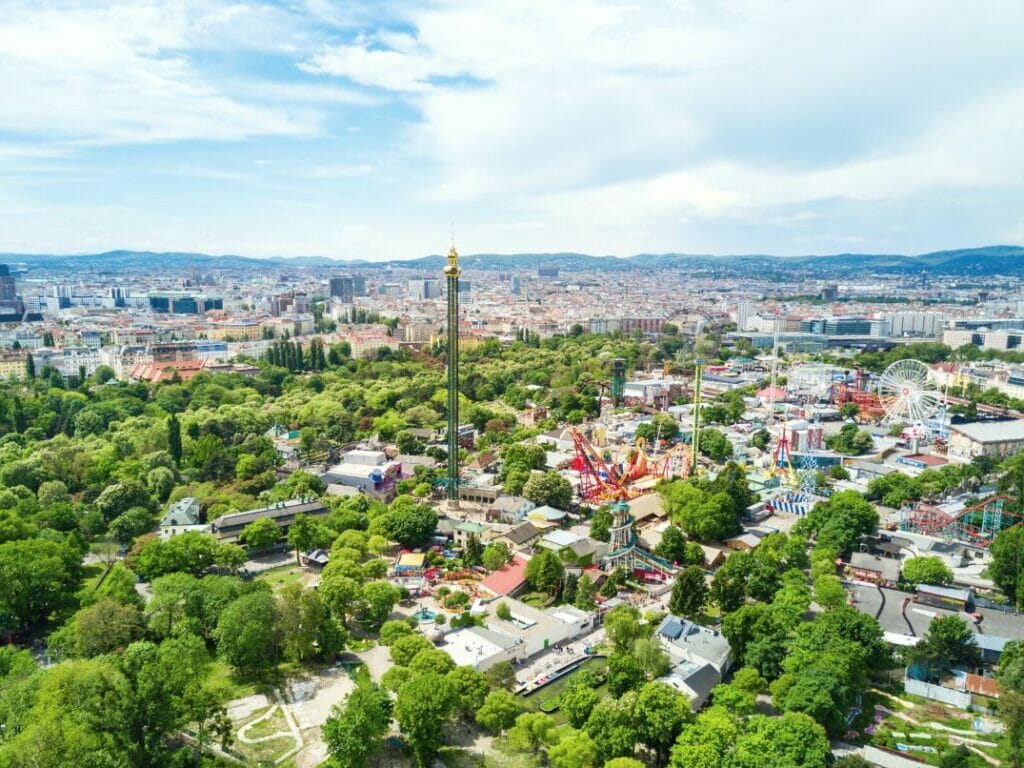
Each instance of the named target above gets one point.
<point>907,393</point>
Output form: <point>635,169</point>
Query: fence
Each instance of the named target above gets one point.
<point>958,699</point>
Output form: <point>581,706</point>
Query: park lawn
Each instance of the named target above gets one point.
<point>361,674</point>
<point>274,724</point>
<point>92,574</point>
<point>536,599</point>
<point>284,576</point>
<point>455,757</point>
<point>221,675</point>
<point>360,644</point>
<point>265,751</point>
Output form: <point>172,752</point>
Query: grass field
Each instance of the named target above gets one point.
<point>221,675</point>
<point>284,576</point>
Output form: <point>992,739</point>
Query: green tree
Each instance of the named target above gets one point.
<point>355,730</point>
<point>575,750</point>
<point>247,633</point>
<point>661,714</point>
<point>689,592</point>
<point>791,740</point>
<point>548,488</point>
<point>601,523</point>
<point>739,702</point>
<point>829,592</point>
<point>473,551</point>
<point>613,728</point>
<point>501,675</point>
<point>729,585</point>
<point>851,441</point>
<point>411,525</point>
<point>302,534</point>
<point>405,649</point>
<point>576,704</point>
<point>624,673</point>
<point>495,555</point>
<point>391,631</point>
<point>307,629</point>
<point>1007,567</point>
<point>661,426</point>
<point>469,687</point>
<point>189,552</point>
<point>926,570</point>
<point>948,642</point>
<point>499,711</point>
<point>545,571</point>
<point>174,439</point>
<point>129,524</point>
<point>37,576</point>
<point>672,546</point>
<point>760,439</point>
<point>839,522</point>
<point>706,743</point>
<point>104,627</point>
<point>118,498</point>
<point>378,599</point>
<point>585,592</point>
<point>715,445</point>
<point>260,534</point>
<point>424,704</point>
<point>622,624</point>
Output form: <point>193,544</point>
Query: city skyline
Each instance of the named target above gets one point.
<point>285,129</point>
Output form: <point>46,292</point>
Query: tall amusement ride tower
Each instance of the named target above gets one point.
<point>452,270</point>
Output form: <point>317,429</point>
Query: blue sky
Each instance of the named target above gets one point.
<point>360,130</point>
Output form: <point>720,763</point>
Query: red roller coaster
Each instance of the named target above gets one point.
<point>976,525</point>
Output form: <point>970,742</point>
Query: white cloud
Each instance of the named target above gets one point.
<point>639,119</point>
<point>121,74</point>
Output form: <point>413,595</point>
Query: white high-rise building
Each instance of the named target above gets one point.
<point>744,310</point>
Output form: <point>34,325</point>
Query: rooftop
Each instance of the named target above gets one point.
<point>950,592</point>
<point>991,431</point>
<point>281,509</point>
<point>694,640</point>
<point>506,579</point>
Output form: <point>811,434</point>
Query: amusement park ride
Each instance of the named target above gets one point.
<point>606,479</point>
<point>603,481</point>
<point>976,526</point>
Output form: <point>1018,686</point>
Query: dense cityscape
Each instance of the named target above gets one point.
<point>617,523</point>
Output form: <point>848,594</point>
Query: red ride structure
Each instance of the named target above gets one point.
<point>598,482</point>
<point>857,392</point>
<point>976,526</point>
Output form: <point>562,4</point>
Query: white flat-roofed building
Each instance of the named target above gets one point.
<point>480,648</point>
<point>990,438</point>
<point>528,631</point>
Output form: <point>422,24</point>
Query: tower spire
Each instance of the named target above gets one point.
<point>452,270</point>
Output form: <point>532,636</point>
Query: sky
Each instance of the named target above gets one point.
<point>364,130</point>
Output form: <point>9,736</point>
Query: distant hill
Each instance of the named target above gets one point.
<point>988,260</point>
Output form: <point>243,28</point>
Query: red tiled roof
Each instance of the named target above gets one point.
<point>927,459</point>
<point>506,579</point>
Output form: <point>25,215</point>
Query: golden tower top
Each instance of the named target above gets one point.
<point>452,268</point>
